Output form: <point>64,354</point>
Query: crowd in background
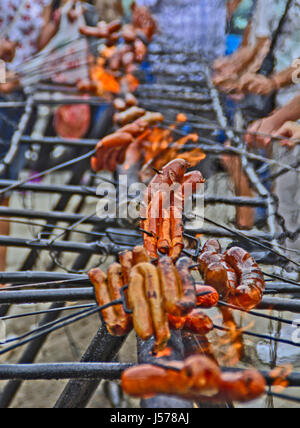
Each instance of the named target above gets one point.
<point>252,45</point>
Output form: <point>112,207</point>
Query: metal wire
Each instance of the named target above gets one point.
<point>48,171</point>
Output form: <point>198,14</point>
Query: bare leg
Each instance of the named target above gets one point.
<point>245,216</point>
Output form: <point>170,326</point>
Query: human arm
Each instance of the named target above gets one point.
<point>291,131</point>
<point>262,85</point>
<point>12,83</point>
<point>51,24</point>
<point>271,125</point>
<point>232,5</point>
<point>246,59</point>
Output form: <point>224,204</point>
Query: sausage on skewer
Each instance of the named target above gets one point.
<point>188,299</point>
<point>99,281</point>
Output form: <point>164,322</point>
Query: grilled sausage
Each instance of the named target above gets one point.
<point>151,118</point>
<point>188,299</point>
<point>115,283</point>
<point>249,292</point>
<point>176,233</point>
<point>172,173</point>
<point>170,285</point>
<point>140,50</point>
<point>150,242</point>
<point>190,182</point>
<point>119,104</point>
<point>115,140</point>
<point>155,298</point>
<point>138,302</point>
<point>198,378</point>
<point>129,115</point>
<point>242,387</point>
<point>142,381</point>
<point>197,374</point>
<point>108,151</point>
<point>215,271</point>
<point>176,323</point>
<point>112,39</point>
<point>164,241</point>
<point>98,32</point>
<point>111,157</point>
<point>131,100</point>
<point>98,279</point>
<point>222,277</point>
<point>136,128</point>
<point>198,322</point>
<point>140,255</point>
<point>209,300</point>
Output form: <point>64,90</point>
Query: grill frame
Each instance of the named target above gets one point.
<point>104,347</point>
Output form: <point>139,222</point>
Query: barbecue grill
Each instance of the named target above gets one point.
<point>174,91</point>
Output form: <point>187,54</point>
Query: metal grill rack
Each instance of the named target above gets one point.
<point>174,91</point>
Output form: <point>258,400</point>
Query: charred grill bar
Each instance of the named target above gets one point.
<point>145,356</point>
<point>91,371</point>
<point>104,347</point>
<point>76,294</point>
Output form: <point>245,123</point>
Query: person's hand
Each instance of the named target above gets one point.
<point>73,15</point>
<point>220,63</point>
<point>12,84</point>
<point>290,130</point>
<point>222,79</point>
<point>233,63</point>
<point>229,86</point>
<point>261,131</point>
<point>257,84</point>
<point>7,50</point>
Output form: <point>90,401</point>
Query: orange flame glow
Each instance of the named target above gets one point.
<point>165,353</point>
<point>106,82</point>
<point>160,148</point>
<point>280,374</point>
<point>229,346</point>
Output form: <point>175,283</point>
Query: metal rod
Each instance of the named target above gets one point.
<point>46,296</point>
<point>54,141</point>
<point>68,246</point>
<point>234,200</point>
<point>54,216</point>
<point>219,232</point>
<point>34,347</point>
<point>61,205</point>
<point>48,188</point>
<point>68,101</point>
<point>280,304</point>
<point>97,370</point>
<point>42,278</point>
<point>49,171</point>
<point>89,371</point>
<point>15,141</point>
<point>46,311</point>
<point>28,357</point>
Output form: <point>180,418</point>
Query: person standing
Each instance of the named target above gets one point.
<point>23,25</point>
<point>192,25</point>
